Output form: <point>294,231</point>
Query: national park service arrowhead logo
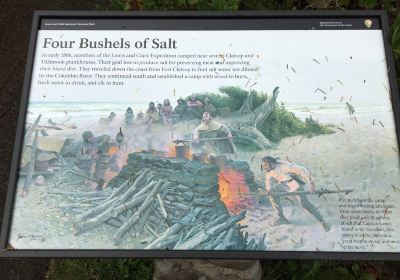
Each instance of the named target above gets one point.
<point>368,23</point>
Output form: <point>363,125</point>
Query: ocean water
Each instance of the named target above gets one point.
<point>328,112</point>
<point>58,111</point>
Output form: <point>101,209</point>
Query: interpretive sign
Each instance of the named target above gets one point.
<point>247,135</point>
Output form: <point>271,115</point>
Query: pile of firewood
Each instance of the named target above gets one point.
<point>163,214</point>
<point>200,230</point>
<point>128,209</point>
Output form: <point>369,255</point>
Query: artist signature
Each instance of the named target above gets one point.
<point>29,236</point>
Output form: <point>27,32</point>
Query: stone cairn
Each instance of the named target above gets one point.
<point>173,203</point>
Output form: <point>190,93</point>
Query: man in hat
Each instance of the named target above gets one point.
<point>152,114</point>
<point>213,138</point>
<point>87,155</point>
<point>166,112</point>
<point>283,177</point>
<point>129,117</point>
<point>194,108</point>
<point>180,110</point>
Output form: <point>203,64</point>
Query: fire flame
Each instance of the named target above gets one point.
<point>171,152</point>
<point>233,190</point>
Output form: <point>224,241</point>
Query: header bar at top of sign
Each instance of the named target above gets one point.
<point>310,23</point>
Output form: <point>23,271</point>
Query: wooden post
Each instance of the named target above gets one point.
<point>207,269</point>
<point>28,179</point>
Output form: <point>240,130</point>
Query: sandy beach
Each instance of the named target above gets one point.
<point>362,156</point>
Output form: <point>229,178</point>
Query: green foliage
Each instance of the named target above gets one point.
<point>232,97</point>
<point>115,5</point>
<point>104,269</point>
<point>203,5</point>
<point>313,270</point>
<point>282,123</point>
<point>368,4</point>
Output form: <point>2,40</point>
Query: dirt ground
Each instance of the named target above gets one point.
<point>15,25</point>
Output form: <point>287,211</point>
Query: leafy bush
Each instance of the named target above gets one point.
<point>232,97</point>
<point>282,123</point>
<point>104,269</point>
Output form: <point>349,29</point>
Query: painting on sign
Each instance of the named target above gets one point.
<point>227,146</point>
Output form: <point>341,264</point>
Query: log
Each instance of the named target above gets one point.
<point>114,223</point>
<point>152,231</point>
<point>264,110</point>
<point>247,106</point>
<point>93,200</point>
<point>28,179</point>
<point>147,239</point>
<point>204,235</point>
<point>171,240</point>
<point>246,235</point>
<point>36,173</point>
<point>29,132</point>
<point>125,196</point>
<point>115,210</point>
<point>230,222</point>
<point>261,245</point>
<point>128,224</point>
<point>162,208</point>
<point>62,160</point>
<point>104,194</point>
<point>106,215</point>
<point>120,190</point>
<point>179,187</point>
<point>72,205</point>
<point>155,220</point>
<point>208,246</point>
<point>128,214</point>
<point>145,217</point>
<point>241,227</point>
<point>192,231</point>
<point>121,218</point>
<point>169,232</point>
<point>145,189</point>
<point>250,245</point>
<point>208,202</point>
<point>95,211</point>
<point>158,215</point>
<point>180,206</point>
<point>149,179</point>
<point>197,239</point>
<point>227,240</point>
<point>218,239</point>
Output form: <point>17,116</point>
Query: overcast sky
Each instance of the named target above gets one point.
<point>348,56</point>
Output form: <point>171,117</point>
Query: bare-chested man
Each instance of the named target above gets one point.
<point>283,176</point>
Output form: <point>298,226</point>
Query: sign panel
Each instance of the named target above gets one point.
<point>156,135</point>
